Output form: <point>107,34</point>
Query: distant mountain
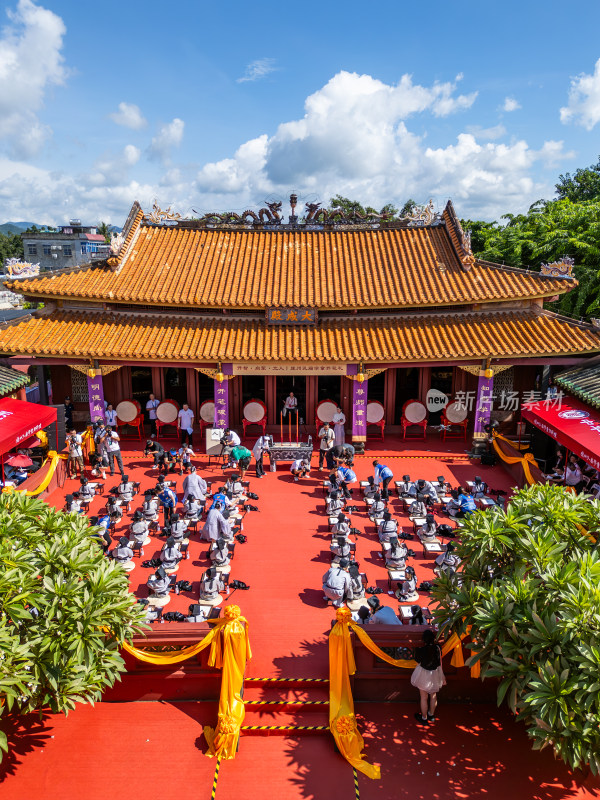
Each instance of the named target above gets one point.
<point>16,227</point>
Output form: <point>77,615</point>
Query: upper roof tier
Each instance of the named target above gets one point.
<point>285,266</point>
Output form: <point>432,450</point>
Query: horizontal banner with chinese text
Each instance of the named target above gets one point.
<point>288,368</point>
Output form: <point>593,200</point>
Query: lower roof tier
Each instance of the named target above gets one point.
<point>417,337</point>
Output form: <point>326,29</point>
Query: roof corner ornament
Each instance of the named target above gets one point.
<point>563,268</point>
<point>157,215</point>
<point>15,268</point>
<point>421,215</point>
<point>116,244</point>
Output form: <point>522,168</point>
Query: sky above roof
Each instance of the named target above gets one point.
<point>218,107</point>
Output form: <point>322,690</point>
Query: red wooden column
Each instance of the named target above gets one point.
<point>346,399</point>
<point>22,394</point>
<point>311,399</point>
<point>271,399</point>
<point>191,378</point>
<point>390,396</point>
<point>158,382</point>
<point>424,383</point>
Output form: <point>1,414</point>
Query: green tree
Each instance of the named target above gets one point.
<point>584,184</point>
<point>549,231</point>
<point>104,230</point>
<point>354,207</point>
<point>11,246</point>
<point>65,609</point>
<point>529,590</point>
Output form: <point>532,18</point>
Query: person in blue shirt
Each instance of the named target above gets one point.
<point>466,502</point>
<point>381,615</point>
<point>103,535</point>
<point>383,475</point>
<point>168,500</point>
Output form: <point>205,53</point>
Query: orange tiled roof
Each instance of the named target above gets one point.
<point>413,337</point>
<point>369,269</point>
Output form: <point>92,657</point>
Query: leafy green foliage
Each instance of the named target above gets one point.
<point>547,232</point>
<point>64,610</point>
<point>354,207</point>
<point>530,590</point>
<point>584,184</point>
<point>104,230</point>
<point>11,246</point>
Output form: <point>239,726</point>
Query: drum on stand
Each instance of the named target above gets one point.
<point>415,412</point>
<point>375,412</point>
<point>456,413</point>
<point>325,411</point>
<point>128,410</point>
<point>167,412</point>
<point>254,411</point>
<point>207,412</point>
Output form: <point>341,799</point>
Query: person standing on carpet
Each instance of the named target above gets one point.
<point>339,420</point>
<point>428,677</point>
<point>261,446</point>
<point>327,437</point>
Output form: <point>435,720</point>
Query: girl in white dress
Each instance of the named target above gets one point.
<point>339,419</point>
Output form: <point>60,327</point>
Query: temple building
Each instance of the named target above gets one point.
<point>231,308</point>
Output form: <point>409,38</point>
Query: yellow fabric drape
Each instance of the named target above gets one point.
<point>342,721</point>
<point>229,651</point>
<point>54,459</point>
<point>526,460</point>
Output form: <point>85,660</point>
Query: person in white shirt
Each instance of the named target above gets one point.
<point>300,468</point>
<point>111,416</point>
<point>291,404</point>
<point>184,457</point>
<point>261,446</point>
<point>339,420</point>
<point>110,441</point>
<point>327,437</point>
<point>229,441</point>
<point>185,424</point>
<point>151,407</point>
<point>74,442</point>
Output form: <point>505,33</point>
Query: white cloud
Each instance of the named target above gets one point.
<point>258,69</point>
<point>30,62</point>
<point>358,137</point>
<point>483,134</point>
<point>169,136</point>
<point>584,100</point>
<point>510,104</point>
<point>129,116</point>
<point>354,140</point>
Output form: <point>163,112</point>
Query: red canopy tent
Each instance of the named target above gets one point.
<point>571,423</point>
<point>19,421</point>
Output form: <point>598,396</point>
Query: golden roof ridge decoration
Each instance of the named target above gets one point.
<point>561,268</point>
<point>157,216</point>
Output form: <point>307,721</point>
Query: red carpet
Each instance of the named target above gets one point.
<point>287,550</point>
<point>116,749</point>
<point>120,750</point>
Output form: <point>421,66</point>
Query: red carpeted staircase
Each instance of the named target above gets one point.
<point>286,706</point>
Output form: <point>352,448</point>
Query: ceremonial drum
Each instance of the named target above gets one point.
<point>325,411</point>
<point>376,414</point>
<point>255,413</point>
<point>207,414</point>
<point>454,416</point>
<point>167,411</point>
<point>128,410</point>
<point>456,413</point>
<point>414,413</point>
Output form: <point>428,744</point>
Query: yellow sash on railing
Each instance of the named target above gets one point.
<point>342,721</point>
<point>229,652</point>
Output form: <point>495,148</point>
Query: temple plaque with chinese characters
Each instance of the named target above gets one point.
<point>291,316</point>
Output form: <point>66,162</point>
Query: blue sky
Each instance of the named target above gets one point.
<point>221,106</point>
